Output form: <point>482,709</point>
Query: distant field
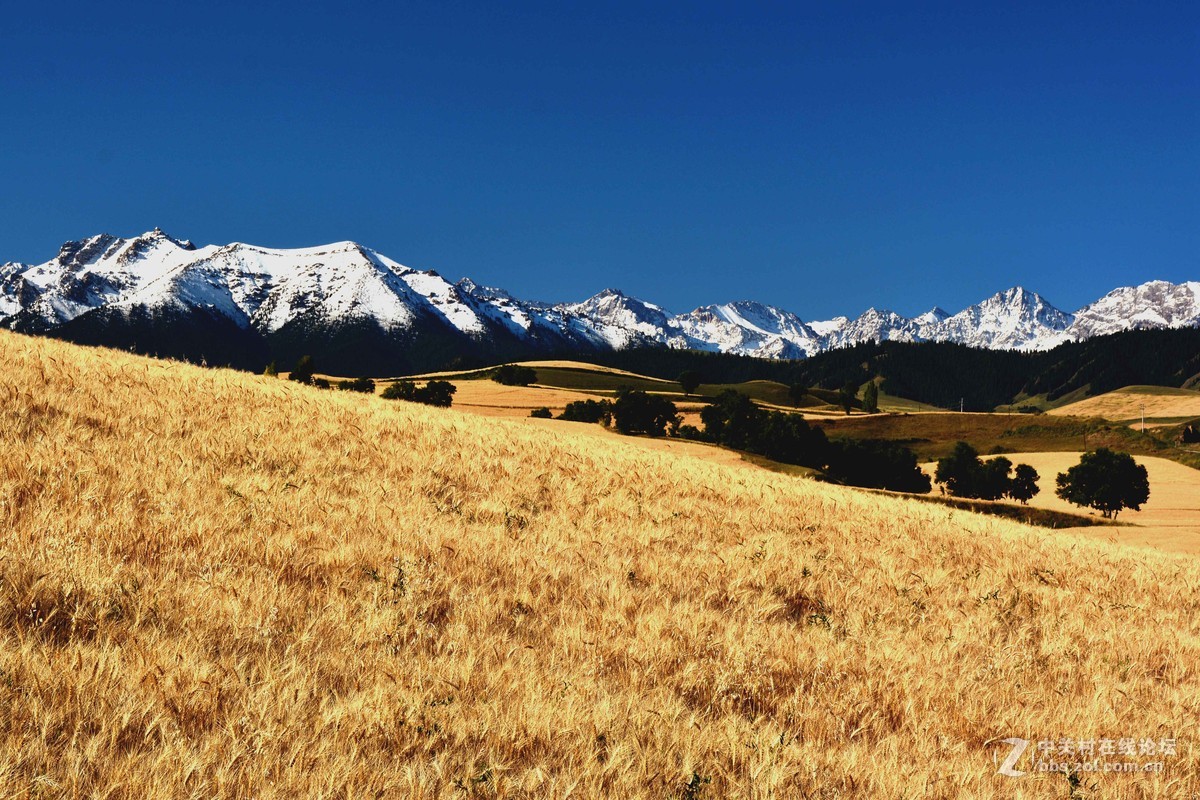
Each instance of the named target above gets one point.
<point>605,381</point>
<point>933,435</point>
<point>1159,402</point>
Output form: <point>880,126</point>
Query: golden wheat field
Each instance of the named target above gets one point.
<point>220,585</point>
<point>1130,402</point>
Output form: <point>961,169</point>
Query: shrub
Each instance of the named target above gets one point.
<point>514,375</point>
<point>541,413</point>
<point>1106,481</point>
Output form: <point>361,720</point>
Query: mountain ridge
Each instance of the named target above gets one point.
<point>301,295</point>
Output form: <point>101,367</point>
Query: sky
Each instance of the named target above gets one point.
<point>823,157</point>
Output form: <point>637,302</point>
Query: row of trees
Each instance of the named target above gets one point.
<point>631,412</point>
<point>965,474</point>
<point>734,420</point>
<point>514,375</point>
<point>433,393</point>
<point>1105,480</point>
<point>304,372</point>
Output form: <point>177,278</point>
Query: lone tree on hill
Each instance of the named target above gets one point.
<point>303,371</point>
<point>870,402</point>
<point>847,395</point>
<point>797,392</point>
<point>1024,484</point>
<point>1106,481</point>
<point>689,381</point>
<point>959,471</point>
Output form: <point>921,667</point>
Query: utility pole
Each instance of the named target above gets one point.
<point>961,405</point>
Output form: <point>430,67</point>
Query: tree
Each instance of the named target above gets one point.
<point>689,381</point>
<point>1106,481</point>
<point>1024,484</point>
<point>514,375</point>
<point>734,421</point>
<point>960,471</point>
<point>636,411</point>
<point>439,393</point>
<point>797,393</point>
<point>870,402</point>
<point>993,482</point>
<point>847,396</point>
<point>272,370</point>
<point>303,371</point>
<point>541,413</point>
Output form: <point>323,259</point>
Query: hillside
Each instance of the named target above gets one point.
<point>217,584</point>
<point>1129,403</point>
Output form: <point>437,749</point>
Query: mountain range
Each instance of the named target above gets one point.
<point>360,312</point>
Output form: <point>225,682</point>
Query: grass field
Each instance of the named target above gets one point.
<point>933,435</point>
<point>1158,402</point>
<point>215,584</point>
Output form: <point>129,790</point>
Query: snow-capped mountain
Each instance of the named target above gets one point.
<point>748,328</point>
<point>1016,319</point>
<point>1157,304</point>
<point>239,303</point>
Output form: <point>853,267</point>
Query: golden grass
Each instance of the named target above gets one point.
<point>221,585</point>
<point>1127,404</point>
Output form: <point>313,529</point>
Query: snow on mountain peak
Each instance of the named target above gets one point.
<point>344,282</point>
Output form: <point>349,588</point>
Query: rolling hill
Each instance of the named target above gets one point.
<point>219,584</point>
<point>1129,403</point>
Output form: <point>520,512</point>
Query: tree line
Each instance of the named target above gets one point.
<point>943,373</point>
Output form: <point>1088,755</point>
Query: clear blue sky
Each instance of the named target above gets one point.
<point>824,157</point>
